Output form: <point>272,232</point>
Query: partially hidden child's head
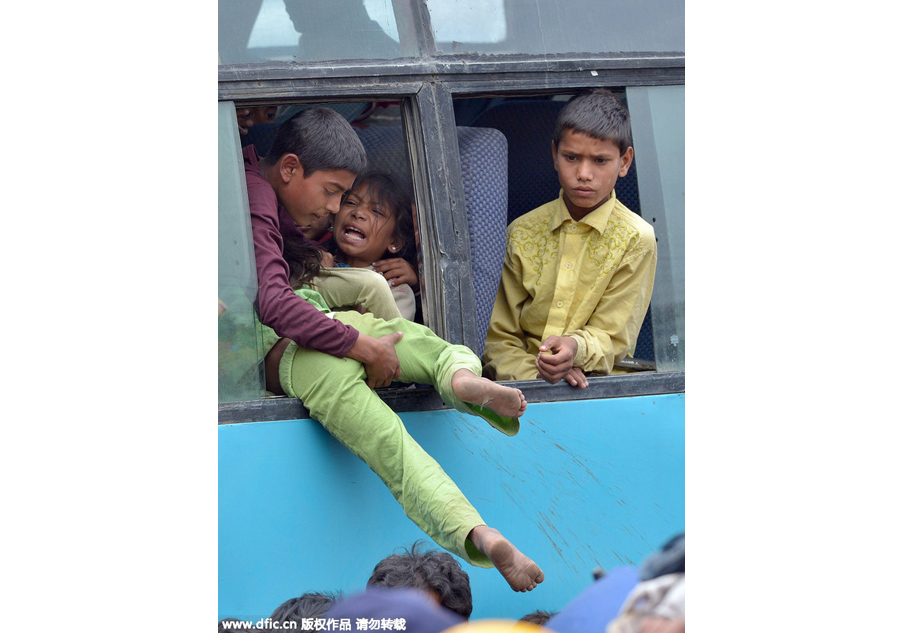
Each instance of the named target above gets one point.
<point>436,573</point>
<point>304,260</point>
<point>591,149</point>
<point>312,161</point>
<point>375,221</point>
<point>309,605</point>
<point>314,227</point>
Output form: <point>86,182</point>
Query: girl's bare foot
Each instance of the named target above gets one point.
<point>520,572</point>
<point>500,399</point>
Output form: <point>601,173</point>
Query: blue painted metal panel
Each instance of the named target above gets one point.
<point>584,483</point>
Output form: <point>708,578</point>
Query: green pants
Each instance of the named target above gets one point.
<point>335,392</point>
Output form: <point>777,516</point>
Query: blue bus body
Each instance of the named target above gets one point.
<point>585,484</point>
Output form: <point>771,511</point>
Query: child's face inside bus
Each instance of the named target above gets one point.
<point>588,169</point>
<point>312,201</point>
<point>364,229</point>
<point>315,226</point>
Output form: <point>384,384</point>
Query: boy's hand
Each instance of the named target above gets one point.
<point>656,624</point>
<point>244,119</point>
<point>379,358</point>
<point>397,271</point>
<point>576,378</point>
<point>556,357</point>
<point>327,260</point>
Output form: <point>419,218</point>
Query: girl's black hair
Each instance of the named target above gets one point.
<point>304,260</point>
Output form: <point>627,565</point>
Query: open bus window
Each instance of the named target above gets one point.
<point>241,347</point>
<point>653,189</point>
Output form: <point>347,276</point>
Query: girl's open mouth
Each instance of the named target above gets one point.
<point>352,233</point>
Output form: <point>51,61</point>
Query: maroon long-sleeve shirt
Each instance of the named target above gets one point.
<point>289,315</point>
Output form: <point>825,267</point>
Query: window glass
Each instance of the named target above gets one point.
<point>302,31</point>
<point>468,22</point>
<point>657,123</point>
<point>240,340</point>
<point>557,26</point>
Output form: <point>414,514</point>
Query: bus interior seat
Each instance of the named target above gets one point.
<point>483,158</point>
<point>528,126</point>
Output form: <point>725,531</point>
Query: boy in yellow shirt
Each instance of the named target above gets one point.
<point>579,270</point>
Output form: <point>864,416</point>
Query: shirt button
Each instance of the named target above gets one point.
<point>559,304</point>
<point>568,264</point>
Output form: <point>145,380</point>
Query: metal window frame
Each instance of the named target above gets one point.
<point>427,399</point>
<point>426,86</point>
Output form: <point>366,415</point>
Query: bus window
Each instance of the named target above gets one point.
<point>657,121</point>
<point>541,27</point>
<point>240,342</point>
<point>455,71</point>
<point>460,23</point>
<point>653,189</point>
<point>303,31</point>
<point>241,347</point>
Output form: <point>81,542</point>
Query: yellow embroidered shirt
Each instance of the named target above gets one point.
<point>590,280</point>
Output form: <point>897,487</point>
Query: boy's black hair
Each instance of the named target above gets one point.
<point>598,113</point>
<point>322,140</point>
<point>387,191</point>
<point>309,605</point>
<point>430,571</point>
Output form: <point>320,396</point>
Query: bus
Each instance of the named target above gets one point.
<point>459,98</point>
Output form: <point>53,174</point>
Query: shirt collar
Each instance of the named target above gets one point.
<point>251,156</point>
<point>596,219</point>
